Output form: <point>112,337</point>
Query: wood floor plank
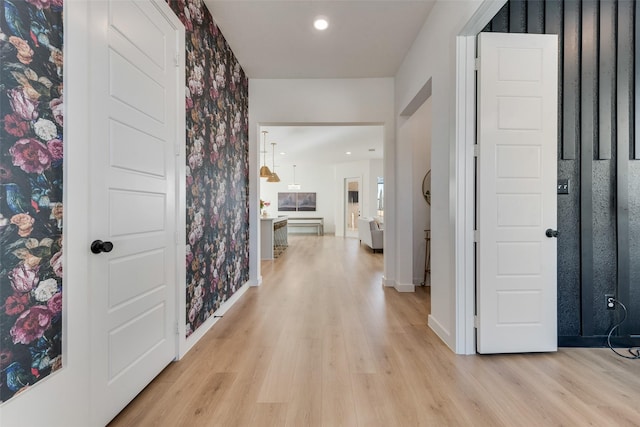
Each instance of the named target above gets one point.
<point>322,343</point>
<point>268,415</point>
<point>338,405</point>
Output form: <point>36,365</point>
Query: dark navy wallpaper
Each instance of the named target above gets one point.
<point>31,153</point>
<point>217,165</point>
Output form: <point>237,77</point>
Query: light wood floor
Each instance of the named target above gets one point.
<point>322,343</point>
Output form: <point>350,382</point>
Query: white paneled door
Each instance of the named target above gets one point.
<point>517,172</point>
<point>135,106</point>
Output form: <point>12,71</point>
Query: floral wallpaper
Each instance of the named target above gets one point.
<point>31,152</point>
<point>217,165</point>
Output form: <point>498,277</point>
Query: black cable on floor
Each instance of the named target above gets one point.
<point>635,352</point>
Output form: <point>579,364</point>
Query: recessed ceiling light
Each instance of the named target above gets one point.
<point>348,153</point>
<point>321,23</point>
<point>282,153</point>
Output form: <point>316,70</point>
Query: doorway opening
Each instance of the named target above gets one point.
<point>324,156</point>
<point>352,206</point>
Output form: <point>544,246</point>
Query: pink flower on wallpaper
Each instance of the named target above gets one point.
<point>55,147</point>
<point>56,263</point>
<point>22,105</point>
<point>57,108</point>
<point>192,314</point>
<point>16,304</point>
<point>25,53</point>
<point>24,222</point>
<point>14,125</point>
<point>40,4</point>
<point>31,324</point>
<point>23,279</point>
<point>55,303</point>
<point>31,155</point>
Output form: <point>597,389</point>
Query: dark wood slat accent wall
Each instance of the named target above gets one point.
<point>517,16</point>
<point>500,23</point>
<point>553,20</point>
<point>624,143</point>
<point>607,74</point>
<point>535,17</point>
<point>588,125</point>
<point>599,221</point>
<point>636,146</point>
<point>571,81</point>
<point>633,324</point>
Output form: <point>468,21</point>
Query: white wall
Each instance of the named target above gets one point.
<point>433,56</point>
<point>418,130</point>
<point>323,101</point>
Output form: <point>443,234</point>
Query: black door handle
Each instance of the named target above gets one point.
<point>551,233</point>
<point>98,246</point>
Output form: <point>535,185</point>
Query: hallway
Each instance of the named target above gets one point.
<point>322,343</point>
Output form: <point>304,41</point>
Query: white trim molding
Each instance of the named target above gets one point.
<point>465,177</point>
<point>405,287</point>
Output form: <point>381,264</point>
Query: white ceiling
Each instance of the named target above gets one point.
<point>320,144</point>
<point>276,39</point>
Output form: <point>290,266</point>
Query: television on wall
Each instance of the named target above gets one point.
<point>300,202</point>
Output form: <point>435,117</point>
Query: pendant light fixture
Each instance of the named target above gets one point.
<point>294,186</point>
<point>264,170</point>
<point>274,176</point>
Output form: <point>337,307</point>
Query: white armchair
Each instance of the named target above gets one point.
<point>370,233</point>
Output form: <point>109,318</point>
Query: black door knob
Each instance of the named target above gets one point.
<point>98,246</point>
<point>551,233</point>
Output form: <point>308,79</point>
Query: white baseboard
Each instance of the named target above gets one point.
<point>440,331</point>
<point>188,343</point>
<point>388,282</point>
<point>405,287</point>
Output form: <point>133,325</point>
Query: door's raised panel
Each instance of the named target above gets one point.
<point>522,113</point>
<point>519,210</point>
<point>519,307</point>
<point>131,86</point>
<point>132,340</point>
<point>139,30</point>
<point>134,150</point>
<point>514,161</point>
<point>135,275</point>
<point>135,213</point>
<point>516,259</point>
<point>528,68</point>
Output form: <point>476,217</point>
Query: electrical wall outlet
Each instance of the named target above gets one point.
<point>610,300</point>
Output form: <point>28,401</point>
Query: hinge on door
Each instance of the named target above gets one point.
<point>177,329</point>
<point>476,236</point>
<point>476,322</point>
<point>476,150</point>
<point>177,150</point>
<point>176,59</point>
<point>476,65</point>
